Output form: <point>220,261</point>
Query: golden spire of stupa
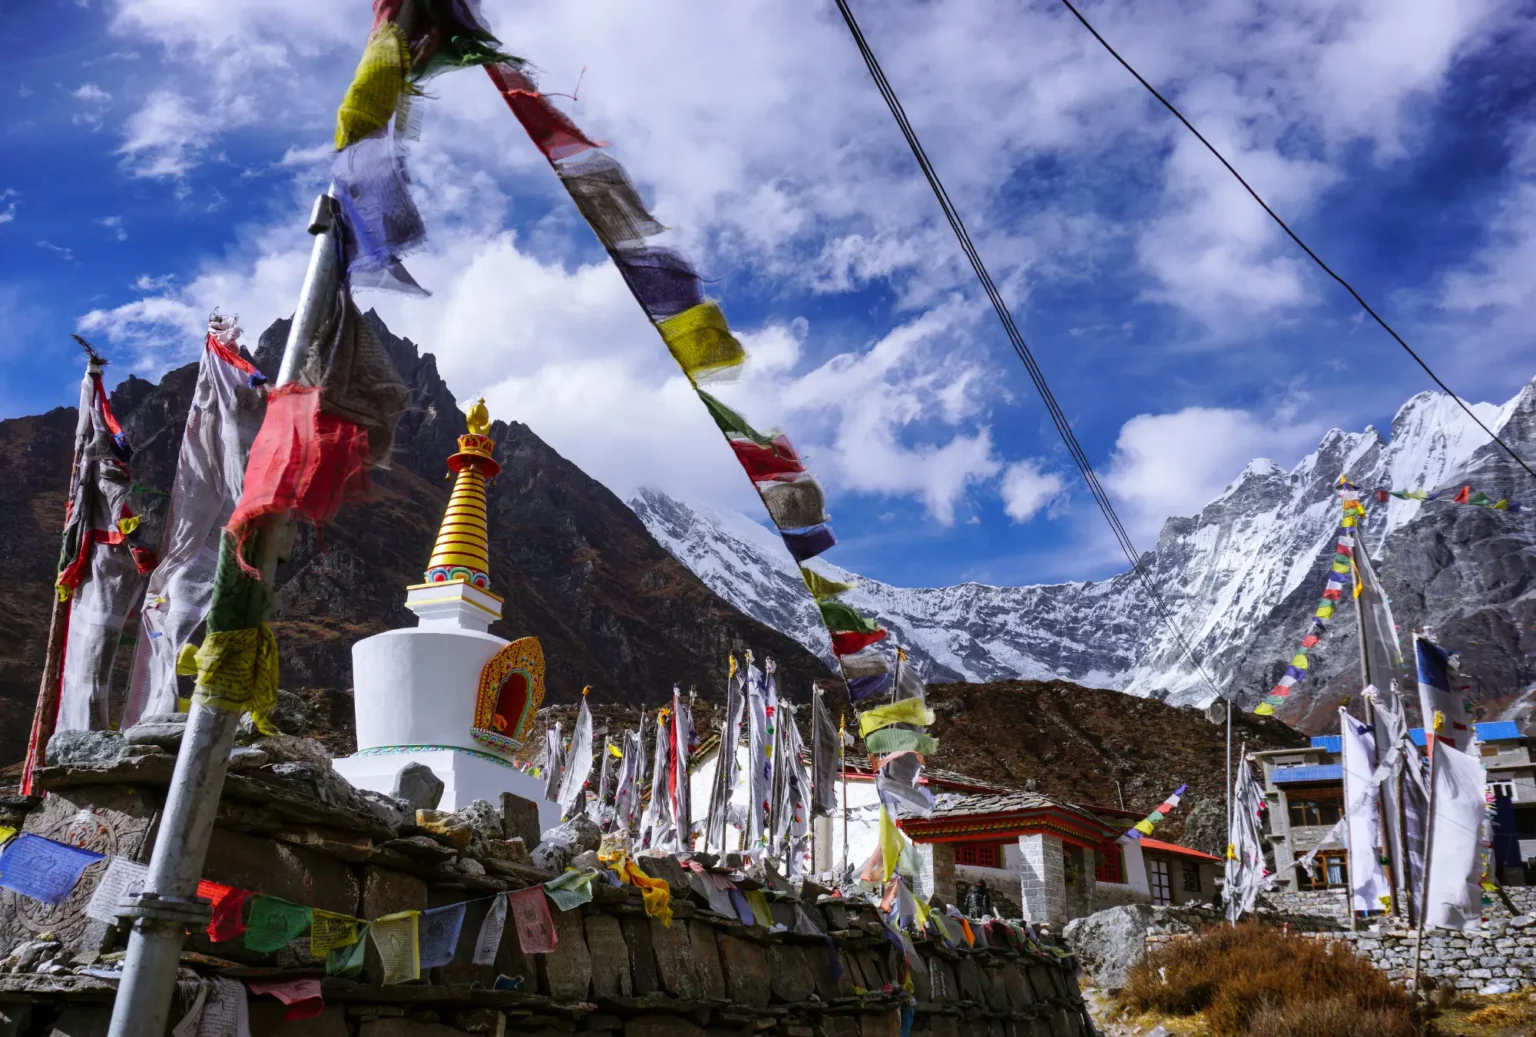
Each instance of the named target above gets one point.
<point>460,552</point>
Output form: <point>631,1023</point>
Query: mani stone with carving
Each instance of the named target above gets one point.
<point>447,694</point>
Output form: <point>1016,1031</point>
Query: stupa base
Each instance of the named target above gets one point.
<point>466,774</point>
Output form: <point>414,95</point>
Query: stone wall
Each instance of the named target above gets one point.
<point>615,969</point>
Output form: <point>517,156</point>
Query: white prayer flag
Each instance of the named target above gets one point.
<point>1454,898</point>
<point>1368,881</point>
<point>489,940</point>
<point>122,878</point>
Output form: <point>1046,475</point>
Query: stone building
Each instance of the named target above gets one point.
<point>1305,791</point>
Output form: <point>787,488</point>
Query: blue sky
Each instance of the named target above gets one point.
<point>160,156</point>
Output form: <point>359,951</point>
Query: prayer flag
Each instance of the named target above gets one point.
<point>530,915</point>
<point>489,940</point>
<point>43,869</point>
<point>376,86</point>
<point>806,544</point>
<point>1454,897</point>
<point>302,995</point>
<point>821,587</point>
<point>274,923</point>
<point>701,342</point>
<point>905,711</point>
<point>861,688</point>
<point>733,425</point>
<point>794,505</point>
<point>662,280</point>
<point>348,960</point>
<point>329,930</point>
<point>775,459</point>
<point>1439,693</point>
<point>654,893</point>
<point>900,739</point>
<point>438,934</point>
<point>219,1010</point>
<point>549,129</point>
<point>570,889</point>
<point>608,199</point>
<point>228,906</point>
<point>825,753</point>
<point>851,642</point>
<point>1461,498</point>
<point>395,937</point>
<point>121,878</point>
<point>890,845</point>
<point>840,617</point>
<point>757,900</point>
<point>578,762</point>
<point>1368,882</point>
<point>867,663</point>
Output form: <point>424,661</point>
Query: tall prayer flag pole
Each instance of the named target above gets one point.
<point>842,757</point>
<point>46,714</point>
<point>169,902</point>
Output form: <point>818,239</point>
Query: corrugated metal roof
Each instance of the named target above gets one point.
<point>1493,731</point>
<point>1148,843</point>
<point>1315,772</point>
<point>1332,743</point>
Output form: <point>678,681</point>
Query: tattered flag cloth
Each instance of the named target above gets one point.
<point>578,762</point>
<point>905,711</point>
<point>396,939</point>
<point>701,342</point>
<point>237,671</point>
<point>850,642</point>
<point>896,782</point>
<point>864,664</point>
<point>228,909</point>
<point>227,406</point>
<point>890,845</point>
<point>821,587</point>
<point>663,281</point>
<point>900,740</point>
<point>1444,706</point>
<point>655,894</point>
<point>379,219</point>
<point>376,86</point>
<point>841,618</point>
<point>219,1010</point>
<point>1144,826</point>
<point>608,199</point>
<point>301,995</point>
<point>762,462</point>
<point>121,879</point>
<point>554,763</point>
<point>826,751</point>
<point>43,869</point>
<point>489,941</point>
<point>570,889</point>
<point>1367,881</point>
<point>861,688</point>
<point>1454,897</point>
<point>100,568</point>
<point>794,505</point>
<point>549,129</point>
<point>1245,876</point>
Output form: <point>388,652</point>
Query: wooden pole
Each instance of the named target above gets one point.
<point>1349,868</point>
<point>842,760</point>
<point>46,714</point>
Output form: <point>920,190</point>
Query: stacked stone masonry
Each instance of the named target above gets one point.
<point>305,835</point>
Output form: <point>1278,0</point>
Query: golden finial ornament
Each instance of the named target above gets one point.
<point>460,554</point>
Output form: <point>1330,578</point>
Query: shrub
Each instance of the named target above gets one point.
<point>1252,980</point>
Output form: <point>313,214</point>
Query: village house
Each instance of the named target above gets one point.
<point>1305,791</point>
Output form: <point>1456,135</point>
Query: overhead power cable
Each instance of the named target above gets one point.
<point>1297,238</point>
<point>1036,375</point>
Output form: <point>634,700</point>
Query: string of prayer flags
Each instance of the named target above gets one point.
<point>397,941</point>
<point>530,914</point>
<point>438,934</point>
<point>43,869</point>
<point>1466,495</point>
<point>1333,591</point>
<point>491,928</point>
<point>1144,826</point>
<point>122,878</point>
<point>347,961</point>
<point>905,711</point>
<point>227,920</point>
<point>329,930</point>
<point>274,923</point>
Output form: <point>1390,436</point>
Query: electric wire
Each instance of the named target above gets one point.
<point>1016,339</point>
<point>1297,238</point>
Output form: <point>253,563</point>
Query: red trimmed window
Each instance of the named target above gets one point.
<point>979,855</point>
<point>1109,865</point>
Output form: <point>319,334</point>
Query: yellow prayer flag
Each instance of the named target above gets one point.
<point>1143,826</point>
<point>1300,661</point>
<point>615,752</point>
<point>399,945</point>
<point>890,845</point>
<point>6,834</point>
<point>1349,520</point>
<point>906,711</point>
<point>701,342</point>
<point>1323,611</point>
<point>1359,586</point>
<point>757,900</point>
<point>1264,709</point>
<point>376,86</point>
<point>1341,567</point>
<point>127,525</point>
<point>821,587</point>
<point>329,930</point>
<point>655,894</point>
<point>237,671</point>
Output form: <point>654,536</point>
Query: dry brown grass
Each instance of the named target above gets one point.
<point>1252,980</point>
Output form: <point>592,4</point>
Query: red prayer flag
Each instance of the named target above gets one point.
<point>303,460</point>
<point>1310,640</point>
<point>1461,498</point>
<point>302,996</point>
<point>776,462</point>
<point>852,641</point>
<point>228,908</point>
<point>535,927</point>
<point>550,129</point>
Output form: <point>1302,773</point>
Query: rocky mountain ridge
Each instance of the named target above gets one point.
<point>1240,578</point>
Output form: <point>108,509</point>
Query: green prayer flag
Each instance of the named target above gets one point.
<point>348,961</point>
<point>274,923</point>
<point>731,423</point>
<point>570,889</point>
<point>900,740</point>
<point>841,618</point>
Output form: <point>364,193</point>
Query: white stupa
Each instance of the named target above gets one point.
<point>447,693</point>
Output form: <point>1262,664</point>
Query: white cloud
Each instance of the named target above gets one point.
<point>1026,490</point>
<point>58,250</point>
<point>1176,463</point>
<point>115,225</point>
<point>90,93</point>
<point>8,196</point>
<point>167,136</point>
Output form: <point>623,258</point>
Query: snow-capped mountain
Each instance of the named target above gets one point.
<point>1240,578</point>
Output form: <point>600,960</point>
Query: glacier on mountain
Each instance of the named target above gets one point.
<point>1239,579</point>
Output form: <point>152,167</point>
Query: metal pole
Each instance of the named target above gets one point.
<point>1229,773</point>
<point>1429,849</point>
<point>842,765</point>
<point>1349,868</point>
<point>169,903</point>
<point>45,717</point>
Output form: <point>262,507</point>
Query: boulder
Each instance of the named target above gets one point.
<point>512,850</point>
<point>563,843</point>
<point>418,787</point>
<point>483,820</point>
<point>1109,943</point>
<point>246,758</point>
<point>293,749</point>
<point>162,729</point>
<point>393,812</point>
<point>84,748</point>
